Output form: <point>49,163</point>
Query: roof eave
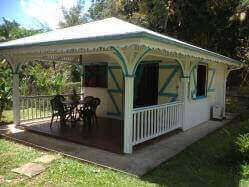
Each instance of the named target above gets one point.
<point>141,34</point>
<point>189,47</point>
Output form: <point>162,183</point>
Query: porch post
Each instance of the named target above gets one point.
<point>224,96</point>
<point>16,98</point>
<point>129,87</point>
<point>81,77</point>
<point>82,81</point>
<point>185,82</point>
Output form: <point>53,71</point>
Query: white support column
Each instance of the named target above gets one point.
<point>16,98</point>
<point>225,86</point>
<point>185,82</point>
<point>128,117</point>
<point>81,81</point>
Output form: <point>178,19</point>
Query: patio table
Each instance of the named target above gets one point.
<point>74,108</point>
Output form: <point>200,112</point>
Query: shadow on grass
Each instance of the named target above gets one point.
<point>212,161</point>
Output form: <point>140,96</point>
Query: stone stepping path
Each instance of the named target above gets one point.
<point>30,169</point>
<point>1,179</point>
<point>35,167</point>
<point>46,159</point>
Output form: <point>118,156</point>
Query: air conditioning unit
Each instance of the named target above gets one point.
<point>217,112</point>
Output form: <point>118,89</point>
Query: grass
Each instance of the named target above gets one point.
<point>208,162</point>
<point>64,171</point>
<point>8,114</point>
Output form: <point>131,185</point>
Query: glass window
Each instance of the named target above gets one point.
<point>201,80</point>
<point>96,76</point>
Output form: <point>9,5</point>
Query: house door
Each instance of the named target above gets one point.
<point>146,85</point>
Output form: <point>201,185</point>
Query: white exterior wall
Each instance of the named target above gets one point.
<point>100,93</point>
<point>199,110</point>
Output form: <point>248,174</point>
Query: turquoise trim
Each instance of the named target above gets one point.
<point>210,89</point>
<point>114,66</point>
<point>173,95</point>
<point>150,62</point>
<point>171,66</point>
<point>114,79</point>
<point>114,114</point>
<point>167,66</point>
<point>140,59</point>
<point>200,97</point>
<point>114,102</point>
<point>122,59</point>
<point>114,91</point>
<point>168,80</point>
<point>139,34</point>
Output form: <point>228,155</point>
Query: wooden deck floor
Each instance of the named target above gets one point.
<point>107,135</point>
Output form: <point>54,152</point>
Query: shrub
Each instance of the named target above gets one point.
<point>232,105</point>
<point>242,146</point>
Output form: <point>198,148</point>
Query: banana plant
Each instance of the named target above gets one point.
<point>5,97</point>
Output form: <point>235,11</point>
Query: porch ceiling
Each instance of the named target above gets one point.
<point>100,36</point>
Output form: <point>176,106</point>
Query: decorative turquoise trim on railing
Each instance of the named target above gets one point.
<point>168,80</point>
<point>116,90</point>
<point>210,89</point>
<point>122,60</point>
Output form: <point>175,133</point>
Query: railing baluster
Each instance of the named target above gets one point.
<point>35,108</point>
<point>149,127</point>
<point>139,125</point>
<point>175,116</point>
<point>28,109</point>
<point>142,125</point>
<point>134,127</point>
<point>158,120</point>
<point>153,121</point>
<point>39,104</point>
<point>146,124</point>
<point>43,107</point>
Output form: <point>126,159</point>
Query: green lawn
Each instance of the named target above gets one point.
<point>8,114</point>
<point>208,162</point>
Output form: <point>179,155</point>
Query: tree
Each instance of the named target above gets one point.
<point>10,30</point>
<point>74,16</point>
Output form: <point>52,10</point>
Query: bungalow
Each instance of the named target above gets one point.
<point>152,83</point>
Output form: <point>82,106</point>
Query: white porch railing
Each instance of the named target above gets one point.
<point>150,122</point>
<point>36,107</point>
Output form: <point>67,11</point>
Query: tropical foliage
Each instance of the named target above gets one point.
<point>220,26</point>
<point>5,97</point>
<point>74,16</point>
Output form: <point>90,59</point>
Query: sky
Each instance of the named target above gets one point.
<point>30,13</point>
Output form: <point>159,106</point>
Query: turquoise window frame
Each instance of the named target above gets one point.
<point>105,64</point>
<point>206,82</point>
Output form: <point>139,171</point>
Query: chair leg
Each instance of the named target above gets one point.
<point>96,120</point>
<point>51,121</point>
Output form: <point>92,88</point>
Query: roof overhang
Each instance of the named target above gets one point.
<point>149,39</point>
